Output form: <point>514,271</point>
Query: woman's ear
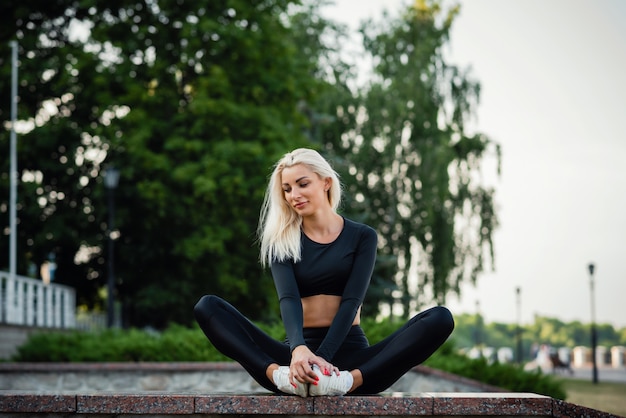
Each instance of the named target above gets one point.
<point>327,183</point>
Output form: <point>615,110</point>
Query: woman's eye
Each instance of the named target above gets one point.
<point>286,190</point>
<point>304,184</point>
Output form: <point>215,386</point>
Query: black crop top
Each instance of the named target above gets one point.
<point>343,267</point>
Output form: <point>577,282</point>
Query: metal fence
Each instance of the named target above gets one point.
<point>31,302</point>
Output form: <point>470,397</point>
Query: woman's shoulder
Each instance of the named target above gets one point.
<point>358,227</point>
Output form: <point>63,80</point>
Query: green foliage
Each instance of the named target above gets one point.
<point>447,358</point>
<point>470,330</point>
<point>194,102</point>
<point>177,343</point>
<point>507,376</point>
<point>570,334</point>
<point>410,165</point>
<point>377,330</point>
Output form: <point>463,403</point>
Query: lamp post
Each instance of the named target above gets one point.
<point>111,179</point>
<point>478,331</point>
<point>594,337</point>
<point>518,331</point>
<point>13,166</point>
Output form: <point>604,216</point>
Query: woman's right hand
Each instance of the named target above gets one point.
<point>302,362</point>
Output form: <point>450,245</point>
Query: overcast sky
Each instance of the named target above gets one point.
<point>553,77</point>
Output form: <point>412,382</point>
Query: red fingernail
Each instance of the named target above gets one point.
<point>294,385</point>
<point>315,383</point>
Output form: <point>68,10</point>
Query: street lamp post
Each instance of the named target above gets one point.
<point>518,331</point>
<point>594,337</point>
<point>13,175</point>
<point>478,331</point>
<point>111,180</point>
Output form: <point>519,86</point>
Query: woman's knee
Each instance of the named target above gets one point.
<point>444,318</point>
<point>206,306</point>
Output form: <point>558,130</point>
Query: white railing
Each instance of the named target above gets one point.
<point>31,302</point>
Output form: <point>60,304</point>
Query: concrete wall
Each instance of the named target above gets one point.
<point>13,337</point>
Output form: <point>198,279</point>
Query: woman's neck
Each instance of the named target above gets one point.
<point>323,227</point>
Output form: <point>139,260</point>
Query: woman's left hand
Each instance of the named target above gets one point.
<point>325,367</point>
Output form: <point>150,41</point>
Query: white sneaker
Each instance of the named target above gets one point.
<point>281,380</point>
<point>333,385</point>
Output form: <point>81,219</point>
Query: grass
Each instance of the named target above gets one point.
<point>603,396</point>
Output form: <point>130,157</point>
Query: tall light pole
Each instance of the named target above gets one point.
<point>13,168</point>
<point>594,337</point>
<point>478,336</point>
<point>518,330</point>
<point>111,180</point>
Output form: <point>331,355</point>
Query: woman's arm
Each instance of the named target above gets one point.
<point>302,358</point>
<point>289,301</point>
<point>353,294</point>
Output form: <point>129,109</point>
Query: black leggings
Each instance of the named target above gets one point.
<point>381,364</point>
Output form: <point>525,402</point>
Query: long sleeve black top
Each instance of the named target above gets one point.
<point>343,268</point>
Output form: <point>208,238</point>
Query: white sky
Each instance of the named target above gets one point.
<point>553,77</point>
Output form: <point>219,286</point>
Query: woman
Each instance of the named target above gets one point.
<point>322,264</point>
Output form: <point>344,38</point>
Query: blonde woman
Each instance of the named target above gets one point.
<point>321,264</point>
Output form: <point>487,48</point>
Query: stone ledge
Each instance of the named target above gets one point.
<point>393,405</point>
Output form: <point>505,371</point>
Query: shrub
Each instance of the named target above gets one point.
<point>178,343</point>
<point>507,376</point>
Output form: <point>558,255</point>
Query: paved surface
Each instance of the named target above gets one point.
<point>604,374</point>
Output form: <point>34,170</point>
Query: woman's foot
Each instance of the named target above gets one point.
<point>281,380</point>
<point>333,385</point>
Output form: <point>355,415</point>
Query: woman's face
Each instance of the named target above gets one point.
<point>304,190</point>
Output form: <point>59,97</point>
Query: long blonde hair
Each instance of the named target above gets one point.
<point>279,224</point>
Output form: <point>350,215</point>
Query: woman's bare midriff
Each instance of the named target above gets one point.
<point>319,311</point>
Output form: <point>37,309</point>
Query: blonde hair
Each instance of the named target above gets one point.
<point>279,224</point>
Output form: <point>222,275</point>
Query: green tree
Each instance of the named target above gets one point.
<point>413,167</point>
<point>58,107</point>
<point>193,102</point>
<point>212,106</point>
